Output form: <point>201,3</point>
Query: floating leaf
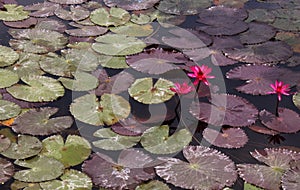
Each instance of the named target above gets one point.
<point>129,127</point>
<point>8,110</point>
<point>113,17</point>
<point>291,178</point>
<point>6,170</point>
<point>27,23</point>
<point>131,5</point>
<point>153,185</point>
<point>260,15</point>
<point>226,138</point>
<point>117,44</point>
<point>267,176</point>
<point>157,140</point>
<point>13,12</point>
<point>140,19</point>
<point>169,20</point>
<point>82,82</point>
<point>293,39</point>
<point>183,7</point>
<point>263,130</point>
<point>109,110</point>
<point>42,168</point>
<point>116,62</point>
<point>131,29</point>
<point>143,90</point>
<point>113,141</point>
<point>38,122</point>
<point>231,3</point>
<point>8,78</point>
<point>44,9</point>
<point>7,56</point>
<point>71,153</point>
<point>76,13</point>
<point>86,31</point>
<point>225,109</point>
<point>71,179</point>
<point>206,169</point>
<point>37,89</point>
<point>248,186</point>
<point>287,19</point>
<point>37,40</point>
<point>286,122</point>
<point>51,24</point>
<point>5,143</point>
<point>69,2</point>
<point>16,185</point>
<point>130,170</point>
<point>25,147</point>
<point>296,100</point>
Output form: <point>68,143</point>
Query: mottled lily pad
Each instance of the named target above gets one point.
<point>226,138</point>
<point>113,17</point>
<point>44,9</point>
<point>286,122</point>
<point>131,4</point>
<point>131,29</point>
<point>293,39</point>
<point>82,82</point>
<point>223,11</point>
<point>76,13</point>
<point>8,78</point>
<point>206,169</point>
<point>118,44</point>
<point>51,24</point>
<point>42,168</point>
<point>38,122</point>
<point>8,110</point>
<point>71,179</point>
<point>169,20</point>
<point>291,178</point>
<point>25,147</point>
<point>114,141</point>
<point>113,62</point>
<point>183,7</point>
<point>129,171</point>
<point>69,2</point>
<point>260,15</point>
<point>268,176</point>
<point>5,143</point>
<point>13,12</point>
<point>37,89</point>
<point>107,111</point>
<point>157,140</point>
<point>7,56</point>
<point>143,90</point>
<point>296,100</point>
<point>6,170</point>
<point>287,19</point>
<point>71,153</point>
<point>86,31</point>
<point>27,23</point>
<point>153,185</point>
<point>257,33</point>
<point>129,127</point>
<point>16,185</point>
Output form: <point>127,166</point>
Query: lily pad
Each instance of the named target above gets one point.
<point>25,147</point>
<point>82,82</point>
<point>291,178</point>
<point>42,168</point>
<point>183,7</point>
<point>51,24</point>
<point>131,29</point>
<point>226,138</point>
<point>157,140</point>
<point>86,31</point>
<point>231,3</point>
<point>276,162</point>
<point>71,153</point>
<point>206,169</point>
<point>286,122</point>
<point>5,143</point>
<point>6,170</point>
<point>114,141</point>
<point>71,179</point>
<point>76,13</point>
<point>296,100</point>
<point>118,44</point>
<point>113,17</point>
<point>113,62</point>
<point>169,20</point>
<point>153,185</point>
<point>13,12</point>
<point>129,127</point>
<point>38,122</point>
<point>68,2</point>
<point>27,23</point>
<point>44,9</point>
<point>37,89</point>
<point>129,171</point>
<point>109,110</point>
<point>8,78</point>
<point>8,110</point>
<point>143,90</point>
<point>260,15</point>
<point>131,5</point>
<point>37,40</point>
<point>293,39</point>
<point>7,56</point>
<point>16,185</point>
<point>286,19</point>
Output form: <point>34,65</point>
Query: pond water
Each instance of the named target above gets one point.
<point>166,48</point>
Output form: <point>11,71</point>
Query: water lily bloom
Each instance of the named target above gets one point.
<point>201,73</point>
<point>183,88</point>
<point>279,88</point>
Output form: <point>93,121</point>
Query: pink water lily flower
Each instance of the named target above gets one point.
<point>280,88</point>
<point>183,88</point>
<point>201,73</point>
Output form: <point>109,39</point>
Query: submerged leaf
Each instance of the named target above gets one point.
<point>13,12</point>
<point>6,170</point>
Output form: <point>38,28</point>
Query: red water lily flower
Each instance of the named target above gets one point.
<point>280,88</point>
<point>183,88</point>
<point>201,73</point>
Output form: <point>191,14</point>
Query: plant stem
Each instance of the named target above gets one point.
<point>176,108</point>
<point>277,103</point>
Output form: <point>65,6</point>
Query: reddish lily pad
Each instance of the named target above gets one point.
<point>51,24</point>
<point>44,9</point>
<point>129,127</point>
<point>223,11</point>
<point>291,179</point>
<point>27,23</point>
<point>263,130</point>
<point>76,13</point>
<point>130,170</point>
<point>131,5</point>
<point>68,2</point>
<point>286,122</point>
<point>38,122</point>
<point>226,138</point>
<point>225,109</point>
<point>183,7</point>
<point>86,31</point>
<point>154,185</point>
<point>6,170</point>
<point>293,39</point>
<point>206,169</point>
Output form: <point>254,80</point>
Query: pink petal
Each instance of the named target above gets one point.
<point>192,75</point>
<point>173,89</point>
<point>279,97</point>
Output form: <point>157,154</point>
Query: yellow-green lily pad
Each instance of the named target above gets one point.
<point>131,29</point>
<point>8,110</point>
<point>113,62</point>
<point>7,56</point>
<point>8,78</point>
<point>13,12</point>
<point>82,82</point>
<point>296,100</point>
<point>113,17</point>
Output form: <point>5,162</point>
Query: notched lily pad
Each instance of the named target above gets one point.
<point>8,110</point>
<point>6,170</point>
<point>113,62</point>
<point>112,17</point>
<point>8,78</point>
<point>13,12</point>
<point>131,4</point>
<point>7,56</point>
<point>82,82</point>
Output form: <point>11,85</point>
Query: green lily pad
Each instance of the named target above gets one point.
<point>287,19</point>
<point>6,170</point>
<point>25,147</point>
<point>113,17</point>
<point>37,40</point>
<point>296,100</point>
<point>16,185</point>
<point>183,7</point>
<point>118,44</point>
<point>8,110</point>
<point>140,19</point>
<point>42,168</point>
<point>248,186</point>
<point>70,180</point>
<point>157,140</point>
<point>143,90</point>
<point>5,143</point>
<point>117,62</point>
<point>109,110</point>
<point>153,185</point>
<point>82,82</point>
<point>114,141</point>
<point>38,122</point>
<point>37,89</point>
<point>131,29</point>
<point>71,153</point>
<point>8,78</point>
<point>7,56</point>
<point>13,12</point>
<point>76,13</point>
